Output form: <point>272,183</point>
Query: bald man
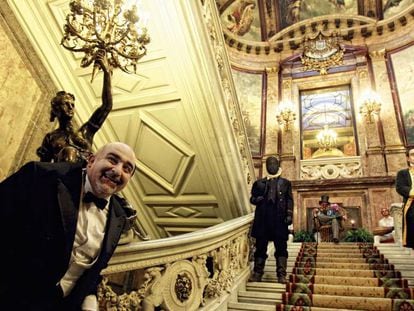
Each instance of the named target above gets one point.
<point>60,224</point>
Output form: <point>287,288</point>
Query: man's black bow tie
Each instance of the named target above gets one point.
<point>90,197</point>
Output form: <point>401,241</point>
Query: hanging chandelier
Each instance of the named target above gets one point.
<point>109,25</point>
<point>326,138</point>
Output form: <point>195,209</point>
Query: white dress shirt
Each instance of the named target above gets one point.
<point>90,231</point>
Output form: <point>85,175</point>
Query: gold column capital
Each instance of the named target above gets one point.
<point>377,55</point>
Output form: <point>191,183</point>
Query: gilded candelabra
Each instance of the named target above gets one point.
<point>285,115</point>
<point>370,106</point>
<point>109,25</point>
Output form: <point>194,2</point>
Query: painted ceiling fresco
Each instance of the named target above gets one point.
<point>259,20</point>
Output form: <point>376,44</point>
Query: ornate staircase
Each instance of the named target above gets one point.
<point>267,294</point>
<point>264,295</point>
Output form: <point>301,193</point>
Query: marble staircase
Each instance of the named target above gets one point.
<point>402,258</point>
<point>266,294</point>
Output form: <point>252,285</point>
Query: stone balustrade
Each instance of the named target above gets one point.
<point>186,272</point>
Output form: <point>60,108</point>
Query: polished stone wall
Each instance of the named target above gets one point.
<point>25,93</point>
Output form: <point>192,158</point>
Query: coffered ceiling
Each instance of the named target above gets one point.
<point>190,171</point>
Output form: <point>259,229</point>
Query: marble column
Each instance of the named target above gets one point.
<point>396,213</point>
<point>393,147</point>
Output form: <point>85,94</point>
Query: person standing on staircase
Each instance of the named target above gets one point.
<point>273,198</point>
<point>404,186</point>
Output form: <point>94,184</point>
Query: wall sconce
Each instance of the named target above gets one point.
<point>285,114</point>
<point>111,26</point>
<point>326,138</point>
<point>370,106</point>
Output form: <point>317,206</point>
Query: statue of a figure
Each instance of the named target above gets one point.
<point>65,143</point>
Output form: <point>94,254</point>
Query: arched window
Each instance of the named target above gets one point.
<point>327,123</point>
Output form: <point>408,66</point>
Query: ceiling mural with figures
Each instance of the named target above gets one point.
<point>259,20</point>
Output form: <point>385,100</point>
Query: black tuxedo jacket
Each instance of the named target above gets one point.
<point>38,216</point>
<point>403,186</point>
<point>403,183</point>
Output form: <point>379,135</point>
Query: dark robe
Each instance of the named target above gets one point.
<point>271,212</point>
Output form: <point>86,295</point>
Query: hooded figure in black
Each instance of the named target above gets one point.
<point>273,198</point>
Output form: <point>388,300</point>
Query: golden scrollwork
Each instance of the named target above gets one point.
<point>228,260</point>
<point>322,52</point>
<point>109,300</point>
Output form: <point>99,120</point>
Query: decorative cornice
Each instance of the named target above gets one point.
<point>351,28</point>
<point>351,183</point>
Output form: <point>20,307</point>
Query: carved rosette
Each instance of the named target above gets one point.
<point>183,287</point>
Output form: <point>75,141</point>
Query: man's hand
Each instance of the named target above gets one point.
<point>256,200</point>
<point>288,220</point>
<point>90,303</point>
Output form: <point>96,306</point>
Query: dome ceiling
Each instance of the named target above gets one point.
<point>260,20</point>
<point>263,27</point>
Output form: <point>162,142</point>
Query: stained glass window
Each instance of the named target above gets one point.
<point>327,123</point>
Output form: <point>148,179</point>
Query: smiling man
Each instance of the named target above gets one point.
<point>60,224</point>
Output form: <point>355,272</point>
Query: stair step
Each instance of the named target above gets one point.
<point>259,297</point>
<point>349,291</point>
<point>238,306</point>
<point>367,303</point>
<point>397,256</point>
<point>319,309</point>
<point>266,287</point>
<point>265,295</point>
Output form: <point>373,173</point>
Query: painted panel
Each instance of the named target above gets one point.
<point>293,11</point>
<point>403,68</point>
<point>392,7</point>
<point>249,93</point>
<point>242,19</point>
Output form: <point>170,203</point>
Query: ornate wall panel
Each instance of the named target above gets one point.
<point>191,173</point>
<point>404,61</point>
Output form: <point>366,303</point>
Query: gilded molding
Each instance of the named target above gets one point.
<point>217,43</point>
<point>377,55</point>
<point>287,84</point>
<point>274,69</point>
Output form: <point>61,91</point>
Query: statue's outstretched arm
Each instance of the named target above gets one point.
<point>99,116</point>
